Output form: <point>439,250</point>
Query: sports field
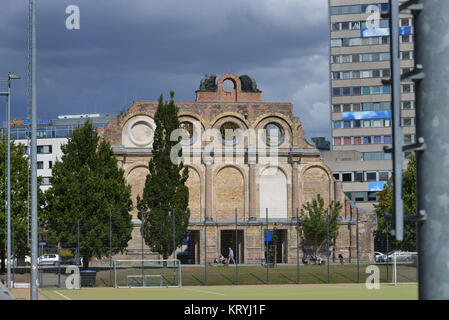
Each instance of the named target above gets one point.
<point>254,292</point>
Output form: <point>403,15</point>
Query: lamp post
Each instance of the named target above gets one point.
<point>8,170</point>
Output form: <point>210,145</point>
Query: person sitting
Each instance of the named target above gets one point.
<point>318,259</point>
<point>222,259</point>
<point>304,259</point>
<point>313,258</point>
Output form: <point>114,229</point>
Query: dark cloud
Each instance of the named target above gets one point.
<point>136,50</point>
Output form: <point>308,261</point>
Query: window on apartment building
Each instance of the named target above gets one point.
<point>44,149</point>
<point>346,91</point>
<point>407,88</point>
<point>356,107</point>
<point>358,176</point>
<point>377,139</point>
<point>359,196</point>
<point>50,164</point>
<point>40,165</point>
<point>336,92</point>
<point>372,196</point>
<point>337,141</point>
<point>407,104</point>
<point>357,124</point>
<point>405,38</point>
<point>336,43</point>
<point>357,140</point>
<point>377,123</point>
<point>408,138</point>
<point>367,140</point>
<point>356,91</point>
<point>354,57</point>
<point>385,56</point>
<point>45,181</point>
<point>386,73</point>
<point>336,108</point>
<point>383,176</point>
<point>407,122</point>
<point>406,55</point>
<point>387,123</point>
<point>337,124</point>
<point>347,140</point>
<point>366,123</point>
<point>355,25</point>
<point>405,22</point>
<point>346,177</point>
<point>371,176</point>
<point>336,176</point>
<point>346,108</point>
<point>387,139</point>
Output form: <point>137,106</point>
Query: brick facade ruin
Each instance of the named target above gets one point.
<point>246,174</point>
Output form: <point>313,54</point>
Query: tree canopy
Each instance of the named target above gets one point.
<point>314,222</point>
<point>385,206</point>
<point>87,186</point>
<point>165,190</point>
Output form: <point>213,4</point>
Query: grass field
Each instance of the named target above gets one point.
<point>255,292</point>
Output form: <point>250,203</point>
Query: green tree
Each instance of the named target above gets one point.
<point>86,187</point>
<point>19,200</point>
<point>385,206</point>
<point>314,222</point>
<point>165,188</point>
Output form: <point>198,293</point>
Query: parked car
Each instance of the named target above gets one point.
<point>401,256</point>
<point>379,256</point>
<point>73,261</point>
<point>15,263</point>
<point>48,259</point>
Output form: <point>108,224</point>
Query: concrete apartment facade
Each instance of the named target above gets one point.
<point>360,108</point>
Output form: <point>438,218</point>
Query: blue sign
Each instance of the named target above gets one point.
<point>361,115</point>
<point>376,186</point>
<point>270,236</point>
<point>378,32</point>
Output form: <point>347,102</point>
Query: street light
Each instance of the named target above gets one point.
<point>8,170</point>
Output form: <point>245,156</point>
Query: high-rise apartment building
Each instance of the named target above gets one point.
<point>360,104</point>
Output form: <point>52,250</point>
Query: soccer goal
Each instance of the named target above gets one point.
<point>147,273</point>
<point>405,267</point>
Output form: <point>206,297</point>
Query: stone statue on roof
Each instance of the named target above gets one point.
<point>208,82</point>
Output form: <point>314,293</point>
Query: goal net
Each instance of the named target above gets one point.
<point>147,273</point>
<point>405,267</point>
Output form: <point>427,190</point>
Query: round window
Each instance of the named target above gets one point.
<point>274,135</point>
<point>228,85</point>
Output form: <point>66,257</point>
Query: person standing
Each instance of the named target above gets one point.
<point>231,256</point>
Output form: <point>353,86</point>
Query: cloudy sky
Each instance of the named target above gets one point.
<point>137,49</point>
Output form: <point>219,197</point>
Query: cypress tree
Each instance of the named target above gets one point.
<point>165,190</point>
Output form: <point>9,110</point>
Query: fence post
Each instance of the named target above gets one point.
<point>266,247</point>
<point>142,231</point>
<point>205,248</point>
<point>357,244</point>
<point>297,246</point>
<point>110,247</point>
<point>236,249</point>
<point>174,233</point>
<point>327,232</point>
<point>59,267</point>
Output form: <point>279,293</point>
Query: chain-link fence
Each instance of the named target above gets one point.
<point>240,251</point>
